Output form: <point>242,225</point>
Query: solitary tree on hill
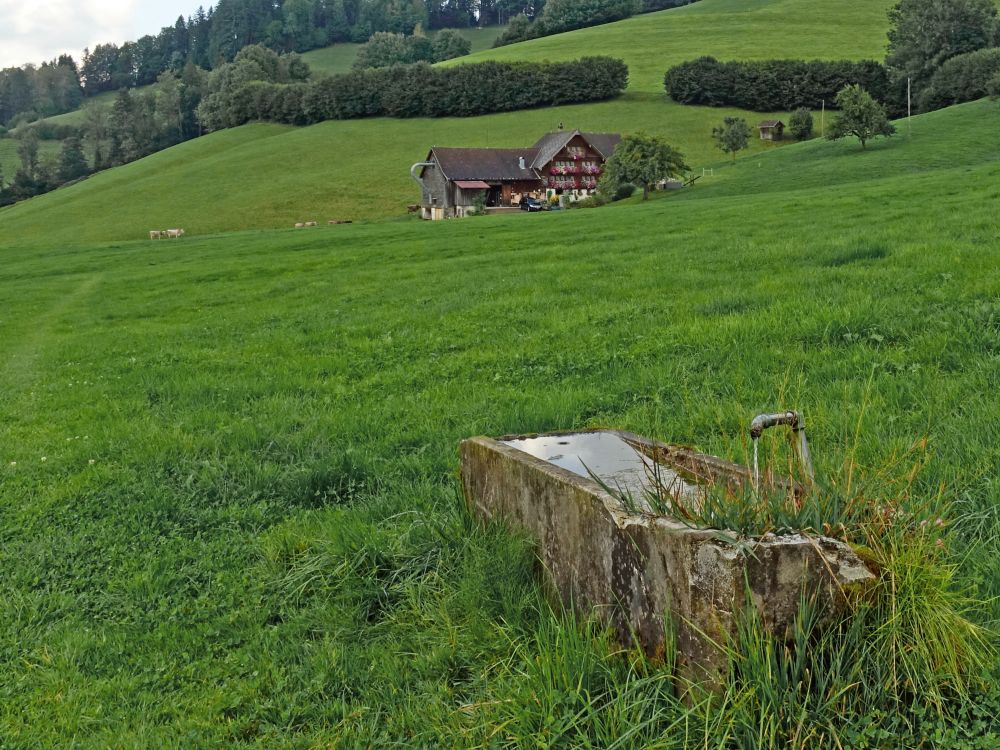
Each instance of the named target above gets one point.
<point>732,136</point>
<point>860,116</point>
<point>641,159</point>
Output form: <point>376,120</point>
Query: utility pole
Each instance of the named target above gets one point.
<point>909,109</point>
<point>822,121</point>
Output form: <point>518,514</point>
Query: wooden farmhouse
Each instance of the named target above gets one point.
<point>771,130</point>
<point>565,163</point>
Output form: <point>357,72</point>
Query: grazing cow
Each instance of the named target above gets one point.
<point>299,225</point>
<point>175,233</point>
<point>155,235</point>
<point>311,224</point>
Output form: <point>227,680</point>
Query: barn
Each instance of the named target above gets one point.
<point>454,180</point>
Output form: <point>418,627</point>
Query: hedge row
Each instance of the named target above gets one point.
<point>771,85</point>
<point>419,91</point>
<point>961,79</point>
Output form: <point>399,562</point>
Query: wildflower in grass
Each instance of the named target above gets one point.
<point>13,463</point>
<point>44,459</point>
<point>92,462</point>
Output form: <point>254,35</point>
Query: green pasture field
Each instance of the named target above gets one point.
<point>339,58</point>
<point>230,514</point>
<point>10,162</point>
<point>266,176</point>
<point>726,29</point>
<point>104,99</point>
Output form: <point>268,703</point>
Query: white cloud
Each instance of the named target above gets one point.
<point>38,31</point>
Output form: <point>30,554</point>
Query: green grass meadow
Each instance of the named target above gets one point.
<point>228,463</point>
<point>10,162</point>
<point>339,58</point>
<point>726,29</point>
<point>265,177</point>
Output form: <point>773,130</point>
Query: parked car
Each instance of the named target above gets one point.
<point>531,204</point>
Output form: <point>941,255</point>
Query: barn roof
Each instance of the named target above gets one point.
<point>604,143</point>
<point>771,124</point>
<point>485,163</point>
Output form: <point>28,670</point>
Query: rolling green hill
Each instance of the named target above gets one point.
<point>726,29</point>
<point>263,176</point>
<point>227,464</point>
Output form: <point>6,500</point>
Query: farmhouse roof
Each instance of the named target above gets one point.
<point>551,144</point>
<point>485,163</point>
<point>771,124</point>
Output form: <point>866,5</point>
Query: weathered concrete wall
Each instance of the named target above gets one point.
<point>634,569</point>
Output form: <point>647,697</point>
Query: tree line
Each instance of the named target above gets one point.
<point>257,86</point>
<point>940,52</point>
<point>137,124</point>
<point>212,37</point>
<point>30,92</point>
<point>771,85</point>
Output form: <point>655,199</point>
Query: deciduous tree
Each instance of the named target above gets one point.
<point>732,136</point>
<point>926,33</point>
<point>643,160</point>
<point>27,151</point>
<point>860,115</point>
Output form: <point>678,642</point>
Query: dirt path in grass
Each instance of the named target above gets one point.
<point>25,351</point>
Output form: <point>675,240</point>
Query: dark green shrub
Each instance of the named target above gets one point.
<point>771,85</point>
<point>449,44</point>
<point>800,124</point>
<point>961,79</point>
<point>623,191</point>
<point>417,91</point>
<point>993,88</point>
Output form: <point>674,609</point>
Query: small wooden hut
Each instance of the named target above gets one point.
<point>771,130</point>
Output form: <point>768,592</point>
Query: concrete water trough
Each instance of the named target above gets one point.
<point>606,553</point>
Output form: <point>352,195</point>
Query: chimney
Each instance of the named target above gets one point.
<point>520,162</point>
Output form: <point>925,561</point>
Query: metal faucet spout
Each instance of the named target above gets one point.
<point>764,421</point>
<point>791,419</point>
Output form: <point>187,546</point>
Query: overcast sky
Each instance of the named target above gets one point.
<point>38,30</point>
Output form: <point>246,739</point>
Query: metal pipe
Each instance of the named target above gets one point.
<point>415,167</point>
<point>793,420</point>
<point>765,421</point>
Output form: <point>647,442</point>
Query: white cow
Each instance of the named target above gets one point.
<point>175,233</point>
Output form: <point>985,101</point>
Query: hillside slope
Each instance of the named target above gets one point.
<point>726,29</point>
<point>228,464</point>
<point>360,170</point>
